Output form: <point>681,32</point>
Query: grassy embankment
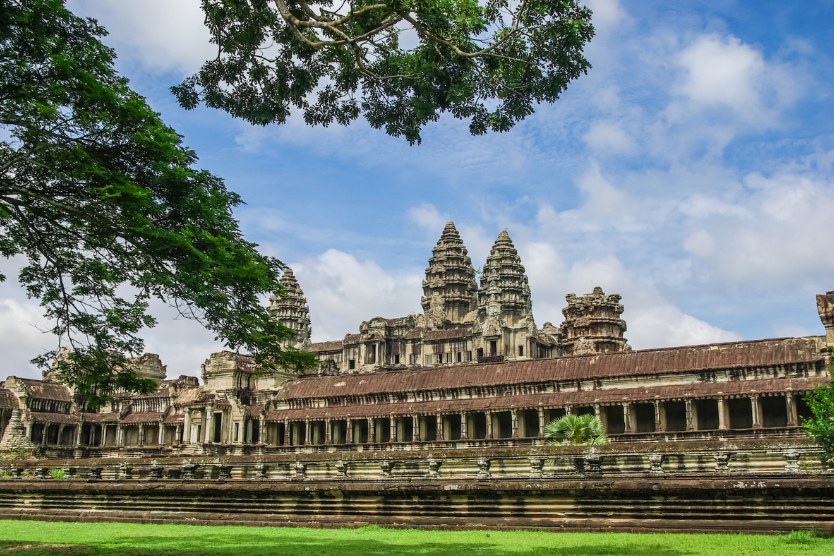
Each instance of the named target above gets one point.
<point>31,538</point>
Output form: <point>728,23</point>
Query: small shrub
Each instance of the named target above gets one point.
<point>6,474</point>
<point>57,473</point>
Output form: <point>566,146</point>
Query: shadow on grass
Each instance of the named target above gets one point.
<point>252,544</point>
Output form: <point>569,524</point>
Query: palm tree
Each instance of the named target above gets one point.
<point>578,430</point>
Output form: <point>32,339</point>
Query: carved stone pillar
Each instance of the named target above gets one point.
<point>187,432</point>
<point>177,433</point>
<point>78,434</point>
<point>103,436</point>
<point>287,433</point>
<point>658,422</point>
<point>488,415</point>
<point>307,430</point>
<point>514,415</point>
<point>790,401</point>
<point>141,435</point>
<point>541,423</point>
<point>627,417</point>
<point>722,414</point>
<point>371,431</point>
<point>45,431</point>
<point>161,433</point>
<point>463,429</point>
<point>262,429</point>
<point>60,434</point>
<point>209,419</point>
<point>439,421</point>
<point>328,431</point>
<point>392,427</point>
<point>349,432</point>
<point>415,428</point>
<point>755,405</point>
<point>690,426</point>
<point>120,435</point>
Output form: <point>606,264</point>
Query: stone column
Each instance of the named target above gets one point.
<point>307,430</point>
<point>757,411</point>
<point>689,424</point>
<point>514,414</point>
<point>209,420</point>
<point>415,428</point>
<point>187,432</point>
<point>488,415</point>
<point>568,410</point>
<point>262,429</point>
<point>439,422</point>
<point>328,431</point>
<point>658,422</point>
<point>60,434</point>
<point>141,435</point>
<point>78,434</point>
<point>541,423</point>
<point>120,435</point>
<point>177,435</point>
<point>371,431</point>
<point>101,440</point>
<point>722,414</point>
<point>464,433</point>
<point>287,433</point>
<point>392,426</point>
<point>161,433</point>
<point>45,432</point>
<point>349,432</point>
<point>793,418</point>
<point>627,417</point>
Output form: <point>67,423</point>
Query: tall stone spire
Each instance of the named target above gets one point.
<point>504,289</point>
<point>292,310</point>
<point>593,325</point>
<point>449,290</point>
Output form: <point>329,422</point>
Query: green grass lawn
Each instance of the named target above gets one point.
<point>41,538</point>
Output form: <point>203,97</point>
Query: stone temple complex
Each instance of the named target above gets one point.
<point>469,384</point>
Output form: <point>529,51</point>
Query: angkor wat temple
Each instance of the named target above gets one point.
<point>473,370</point>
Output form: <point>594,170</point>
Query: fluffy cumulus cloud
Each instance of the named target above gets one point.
<point>160,35</point>
<point>343,291</point>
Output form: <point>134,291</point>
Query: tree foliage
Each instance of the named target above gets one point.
<point>577,430</point>
<point>487,62</point>
<point>820,427</point>
<point>102,201</point>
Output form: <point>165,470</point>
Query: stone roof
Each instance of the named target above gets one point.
<point>639,363</point>
<point>46,390</point>
<point>144,418</point>
<point>108,417</point>
<point>318,347</point>
<point>54,418</point>
<point>448,334</point>
<point>8,400</point>
<point>552,399</point>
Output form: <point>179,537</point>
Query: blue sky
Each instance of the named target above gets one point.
<point>691,171</point>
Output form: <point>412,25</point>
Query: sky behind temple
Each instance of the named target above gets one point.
<point>691,171</point>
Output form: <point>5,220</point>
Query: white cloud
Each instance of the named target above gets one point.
<point>342,292</point>
<point>608,138</point>
<point>607,14</point>
<point>161,35</point>
<point>724,72</point>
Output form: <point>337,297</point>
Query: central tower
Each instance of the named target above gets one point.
<point>449,290</point>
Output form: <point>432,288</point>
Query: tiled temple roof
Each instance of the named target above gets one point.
<point>8,400</point>
<point>108,417</point>
<point>736,355</point>
<point>552,399</point>
<point>174,419</point>
<point>335,345</point>
<point>55,418</point>
<point>435,335</point>
<point>46,390</point>
<point>145,418</point>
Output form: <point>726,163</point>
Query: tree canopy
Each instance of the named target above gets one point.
<point>102,201</point>
<point>400,62</point>
<point>820,427</point>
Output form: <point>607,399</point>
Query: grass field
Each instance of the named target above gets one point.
<point>32,538</point>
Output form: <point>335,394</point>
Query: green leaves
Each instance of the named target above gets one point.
<point>333,64</point>
<point>578,430</point>
<point>104,204</point>
<point>820,428</point>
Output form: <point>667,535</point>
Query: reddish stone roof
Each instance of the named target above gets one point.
<point>449,334</point>
<point>335,345</point>
<point>174,419</point>
<point>146,418</point>
<point>254,411</point>
<point>55,418</point>
<point>8,400</point>
<point>736,355</point>
<point>100,417</point>
<point>555,399</point>
<point>46,390</point>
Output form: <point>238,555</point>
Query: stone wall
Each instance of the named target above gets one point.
<point>751,485</point>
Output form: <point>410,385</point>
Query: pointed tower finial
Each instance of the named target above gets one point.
<point>449,290</point>
<point>292,310</point>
